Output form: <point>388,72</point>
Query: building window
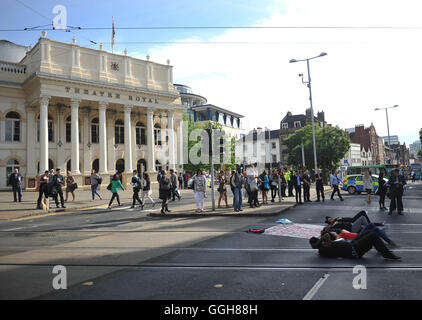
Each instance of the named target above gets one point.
<point>158,166</point>
<point>157,134</point>
<point>140,134</point>
<point>274,158</point>
<point>95,138</point>
<point>273,145</point>
<point>284,125</point>
<point>50,129</point>
<point>11,165</point>
<point>68,129</point>
<point>13,126</point>
<point>297,124</point>
<point>119,132</point>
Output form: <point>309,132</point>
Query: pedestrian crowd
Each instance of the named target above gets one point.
<point>256,187</point>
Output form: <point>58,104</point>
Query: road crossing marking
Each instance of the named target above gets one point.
<point>316,287</point>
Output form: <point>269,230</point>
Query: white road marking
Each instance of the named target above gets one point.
<point>316,287</point>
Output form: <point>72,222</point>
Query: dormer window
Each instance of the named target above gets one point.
<point>297,124</point>
<point>284,125</point>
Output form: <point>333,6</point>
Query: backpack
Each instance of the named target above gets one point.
<point>100,180</point>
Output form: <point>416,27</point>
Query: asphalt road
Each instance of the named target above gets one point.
<point>123,254</point>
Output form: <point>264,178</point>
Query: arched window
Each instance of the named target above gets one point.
<point>140,133</point>
<point>157,134</point>
<point>119,132</point>
<point>13,126</point>
<point>11,165</point>
<point>95,138</point>
<point>50,129</point>
<point>96,165</point>
<point>69,166</point>
<point>69,129</point>
<point>120,165</point>
<point>50,166</point>
<point>143,163</point>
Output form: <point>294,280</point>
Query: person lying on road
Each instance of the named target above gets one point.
<point>363,213</point>
<point>331,246</point>
<point>352,235</point>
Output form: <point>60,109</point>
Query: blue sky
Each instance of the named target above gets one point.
<point>364,69</point>
<point>127,13</point>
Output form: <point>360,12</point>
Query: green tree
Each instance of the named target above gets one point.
<point>420,153</point>
<point>332,144</point>
<point>420,135</point>
<point>206,167</point>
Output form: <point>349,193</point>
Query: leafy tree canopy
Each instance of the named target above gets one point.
<point>332,144</point>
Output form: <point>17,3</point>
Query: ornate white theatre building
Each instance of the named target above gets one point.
<point>76,108</point>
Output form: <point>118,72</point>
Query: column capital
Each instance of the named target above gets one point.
<point>102,105</point>
<point>128,107</point>
<point>75,102</point>
<point>44,99</point>
<point>150,111</point>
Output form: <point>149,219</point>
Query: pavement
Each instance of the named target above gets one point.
<point>184,208</point>
<point>127,254</point>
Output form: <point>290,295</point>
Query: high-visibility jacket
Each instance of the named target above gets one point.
<point>287,176</point>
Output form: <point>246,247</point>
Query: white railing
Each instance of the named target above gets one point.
<point>10,67</point>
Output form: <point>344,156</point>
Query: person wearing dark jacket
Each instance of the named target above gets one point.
<point>58,184</point>
<point>363,213</point>
<point>173,180</point>
<point>382,190</point>
<point>15,180</point>
<point>330,245</point>
<point>136,184</point>
<point>164,188</point>
<point>306,187</point>
<point>297,183</point>
<point>396,182</point>
<point>355,224</point>
<point>319,186</point>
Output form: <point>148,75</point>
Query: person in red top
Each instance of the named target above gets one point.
<point>347,235</point>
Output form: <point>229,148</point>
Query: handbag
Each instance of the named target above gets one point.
<point>253,186</point>
<point>109,187</point>
<point>74,186</point>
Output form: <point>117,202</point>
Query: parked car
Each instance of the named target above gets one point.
<point>354,183</point>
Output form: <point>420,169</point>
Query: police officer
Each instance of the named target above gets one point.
<point>396,182</point>
<point>319,186</point>
<point>290,183</point>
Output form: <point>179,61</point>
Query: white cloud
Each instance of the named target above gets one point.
<point>363,68</point>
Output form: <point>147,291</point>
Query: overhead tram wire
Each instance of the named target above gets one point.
<point>232,27</point>
<point>48,19</point>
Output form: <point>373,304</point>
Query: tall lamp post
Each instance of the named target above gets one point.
<point>308,84</point>
<point>386,114</point>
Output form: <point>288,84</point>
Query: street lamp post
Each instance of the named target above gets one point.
<point>388,127</point>
<point>308,83</point>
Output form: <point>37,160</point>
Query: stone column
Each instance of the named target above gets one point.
<point>44,133</point>
<point>86,141</point>
<point>103,137</point>
<point>128,139</point>
<point>180,142</point>
<point>170,128</point>
<point>75,135</point>
<point>30,142</point>
<point>150,141</point>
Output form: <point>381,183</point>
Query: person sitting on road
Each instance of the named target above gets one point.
<point>331,246</point>
<point>342,233</point>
